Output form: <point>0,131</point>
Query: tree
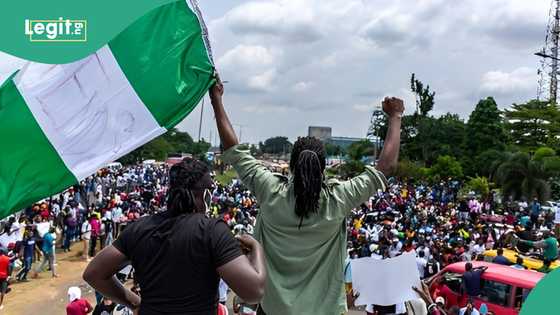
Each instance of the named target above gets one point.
<point>533,124</point>
<point>424,98</point>
<point>408,169</point>
<point>333,149</point>
<point>357,150</point>
<point>276,145</point>
<point>172,142</point>
<point>486,163</point>
<point>479,185</point>
<point>522,176</point>
<point>485,128</point>
<point>434,137</point>
<point>446,167</point>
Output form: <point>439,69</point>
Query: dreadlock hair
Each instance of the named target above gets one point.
<point>307,164</point>
<point>182,177</point>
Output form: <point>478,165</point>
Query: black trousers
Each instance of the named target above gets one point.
<point>260,311</point>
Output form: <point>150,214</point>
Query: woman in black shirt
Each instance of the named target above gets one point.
<point>179,255</point>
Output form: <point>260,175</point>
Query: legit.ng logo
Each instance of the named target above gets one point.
<point>61,30</point>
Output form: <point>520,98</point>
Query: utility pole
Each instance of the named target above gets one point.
<point>200,123</point>
<point>240,130</point>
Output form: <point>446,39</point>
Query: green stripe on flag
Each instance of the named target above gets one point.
<point>30,168</point>
<point>165,60</point>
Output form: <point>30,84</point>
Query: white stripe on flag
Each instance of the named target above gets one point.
<point>87,109</point>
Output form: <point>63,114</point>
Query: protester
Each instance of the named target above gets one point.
<point>77,305</point>
<point>4,275</point>
<point>500,259</point>
<point>471,279</point>
<point>179,246</point>
<point>47,248</point>
<point>301,220</point>
<point>469,309</point>
<point>519,264</point>
<point>106,307</point>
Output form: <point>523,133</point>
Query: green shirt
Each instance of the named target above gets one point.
<point>305,266</point>
<point>549,247</point>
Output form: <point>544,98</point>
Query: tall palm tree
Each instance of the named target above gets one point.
<point>521,176</point>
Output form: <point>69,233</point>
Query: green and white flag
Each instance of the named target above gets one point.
<point>60,123</point>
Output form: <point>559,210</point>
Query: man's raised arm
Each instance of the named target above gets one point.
<point>389,156</point>
<point>227,134</point>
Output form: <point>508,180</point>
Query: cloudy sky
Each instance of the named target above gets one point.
<point>295,63</point>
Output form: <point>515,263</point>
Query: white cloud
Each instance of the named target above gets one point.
<point>290,20</point>
<point>247,55</point>
<point>303,86</point>
<point>518,80</point>
<point>263,81</point>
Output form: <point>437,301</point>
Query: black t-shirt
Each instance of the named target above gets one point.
<point>175,261</point>
<point>102,309</point>
<point>472,281</point>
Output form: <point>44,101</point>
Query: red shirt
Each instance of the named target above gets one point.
<point>78,307</point>
<point>4,265</point>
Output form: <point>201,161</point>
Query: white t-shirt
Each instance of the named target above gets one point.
<point>43,228</point>
<point>86,231</point>
<point>478,249</point>
<point>421,264</point>
<point>556,210</point>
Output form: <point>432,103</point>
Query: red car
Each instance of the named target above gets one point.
<point>503,288</point>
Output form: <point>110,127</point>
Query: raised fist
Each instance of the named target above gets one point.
<point>393,106</point>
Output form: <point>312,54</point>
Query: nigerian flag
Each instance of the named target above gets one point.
<point>60,123</point>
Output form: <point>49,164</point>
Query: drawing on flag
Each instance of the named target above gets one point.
<point>60,123</point>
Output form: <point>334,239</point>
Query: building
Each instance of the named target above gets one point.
<point>343,142</point>
<point>321,133</point>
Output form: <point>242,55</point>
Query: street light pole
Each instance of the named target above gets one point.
<point>200,123</point>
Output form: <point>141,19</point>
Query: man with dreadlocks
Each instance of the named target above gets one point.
<point>301,222</point>
<point>179,255</point>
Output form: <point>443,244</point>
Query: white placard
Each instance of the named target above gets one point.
<point>385,282</point>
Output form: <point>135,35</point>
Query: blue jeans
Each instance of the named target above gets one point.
<point>68,235</point>
<point>27,262</point>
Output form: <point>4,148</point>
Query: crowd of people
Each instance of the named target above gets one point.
<point>443,227</point>
<point>172,206</point>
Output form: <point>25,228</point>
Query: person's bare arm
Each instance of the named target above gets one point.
<point>227,134</point>
<point>389,156</point>
<point>100,274</point>
<point>246,275</point>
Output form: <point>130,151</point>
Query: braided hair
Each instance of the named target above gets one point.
<point>182,178</point>
<point>307,164</point>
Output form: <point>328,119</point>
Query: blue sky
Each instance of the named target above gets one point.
<point>295,63</point>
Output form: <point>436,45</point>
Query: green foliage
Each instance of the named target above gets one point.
<point>533,124</point>
<point>522,176</point>
<point>543,153</point>
<point>446,167</point>
<point>357,150</point>
<point>433,137</point>
<point>174,141</point>
<point>424,98</point>
<point>410,170</point>
<point>333,149</point>
<point>479,185</point>
<point>276,145</point>
<point>485,128</point>
<point>226,177</point>
<point>485,164</point>
<point>351,168</point>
